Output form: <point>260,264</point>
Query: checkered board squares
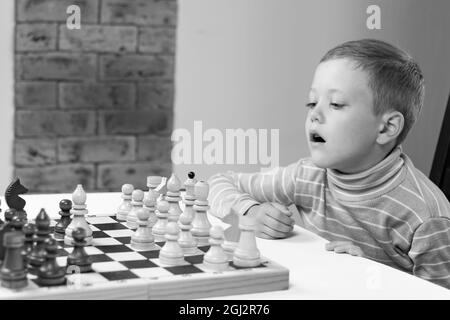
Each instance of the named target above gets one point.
<point>117,267</point>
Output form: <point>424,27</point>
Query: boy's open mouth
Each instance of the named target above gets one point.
<point>315,137</point>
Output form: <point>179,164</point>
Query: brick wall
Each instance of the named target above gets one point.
<point>95,105</point>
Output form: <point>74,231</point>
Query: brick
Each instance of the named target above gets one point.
<point>135,122</point>
<point>96,149</point>
<point>54,123</point>
<point>111,177</point>
<point>156,95</point>
<point>96,95</point>
<point>99,39</point>
<point>34,152</point>
<point>135,67</point>
<point>57,178</point>
<point>55,10</point>
<point>35,37</point>
<point>157,39</point>
<point>56,66</point>
<point>154,148</point>
<point>140,12</point>
<point>35,94</point>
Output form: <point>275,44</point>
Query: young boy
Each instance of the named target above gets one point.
<point>358,189</point>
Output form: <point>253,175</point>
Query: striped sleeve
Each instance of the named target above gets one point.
<point>430,251</point>
<point>240,191</point>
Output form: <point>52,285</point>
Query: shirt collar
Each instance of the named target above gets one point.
<point>371,183</point>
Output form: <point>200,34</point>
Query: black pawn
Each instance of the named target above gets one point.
<point>60,229</point>
<point>50,273</point>
<point>17,223</point>
<point>28,230</point>
<point>6,227</point>
<point>37,256</point>
<point>79,257</point>
<point>13,271</point>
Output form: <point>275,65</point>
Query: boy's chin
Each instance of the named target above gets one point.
<point>319,162</point>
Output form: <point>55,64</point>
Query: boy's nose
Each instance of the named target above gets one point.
<point>315,115</point>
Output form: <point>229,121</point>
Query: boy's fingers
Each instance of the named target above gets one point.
<point>355,251</point>
<point>278,215</point>
<point>345,248</point>
<point>276,225</point>
<point>333,244</point>
<point>263,235</point>
<point>272,233</point>
<point>281,208</point>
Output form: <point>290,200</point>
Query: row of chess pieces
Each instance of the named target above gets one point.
<point>157,217</point>
<point>30,248</point>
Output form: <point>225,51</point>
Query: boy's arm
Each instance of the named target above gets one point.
<point>240,191</point>
<point>251,194</point>
<point>430,251</point>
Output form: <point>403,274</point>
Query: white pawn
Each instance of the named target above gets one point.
<point>186,241</point>
<point>246,253</point>
<point>79,220</point>
<point>171,253</point>
<point>201,224</point>
<point>173,197</point>
<point>137,202</point>
<point>142,239</point>
<point>216,259</point>
<point>159,229</point>
<point>125,206</point>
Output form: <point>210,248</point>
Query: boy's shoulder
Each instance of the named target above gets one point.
<point>424,191</point>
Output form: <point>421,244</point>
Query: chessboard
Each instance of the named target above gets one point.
<point>147,248</point>
<point>120,272</point>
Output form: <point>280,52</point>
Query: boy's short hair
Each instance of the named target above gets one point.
<point>394,77</point>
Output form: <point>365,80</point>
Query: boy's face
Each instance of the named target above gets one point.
<point>341,127</point>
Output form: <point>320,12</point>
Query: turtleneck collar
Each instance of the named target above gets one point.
<point>371,183</point>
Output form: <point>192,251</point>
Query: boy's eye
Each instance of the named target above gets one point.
<point>311,105</point>
<point>336,105</point>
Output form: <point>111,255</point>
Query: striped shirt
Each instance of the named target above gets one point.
<point>392,211</point>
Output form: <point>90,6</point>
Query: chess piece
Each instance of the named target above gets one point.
<point>142,238</point>
<point>17,223</point>
<point>6,227</point>
<point>173,197</point>
<point>216,259</point>
<point>125,206</point>
<point>37,255</point>
<point>246,253</point>
<point>201,224</point>
<point>78,257</point>
<point>189,197</point>
<point>9,214</point>
<point>14,201</point>
<point>186,241</point>
<point>79,220</point>
<point>65,206</point>
<point>50,273</point>
<point>153,182</point>
<point>171,253</point>
<point>137,198</point>
<point>29,231</point>
<point>232,234</point>
<point>13,272</point>
<point>159,229</point>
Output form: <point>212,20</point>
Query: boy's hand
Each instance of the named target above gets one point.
<point>344,247</point>
<point>272,222</point>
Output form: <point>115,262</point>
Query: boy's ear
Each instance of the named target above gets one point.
<point>390,127</point>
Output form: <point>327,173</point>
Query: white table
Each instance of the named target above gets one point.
<point>314,272</point>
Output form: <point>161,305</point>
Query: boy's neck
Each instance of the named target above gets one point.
<point>381,153</point>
